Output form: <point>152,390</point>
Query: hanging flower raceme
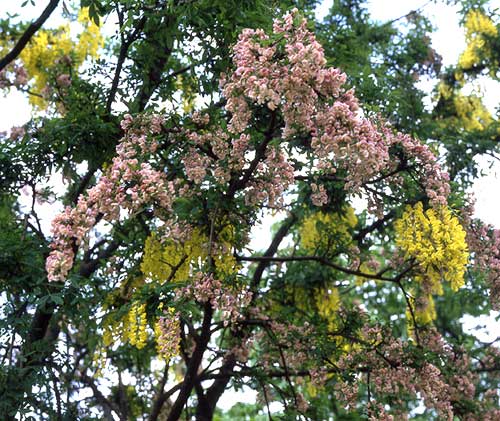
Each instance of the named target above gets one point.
<point>167,332</point>
<point>286,73</point>
<point>479,29</point>
<point>127,184</point>
<point>137,325</point>
<point>176,260</point>
<point>327,232</point>
<point>436,240</point>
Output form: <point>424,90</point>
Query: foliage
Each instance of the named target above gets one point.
<point>157,292</point>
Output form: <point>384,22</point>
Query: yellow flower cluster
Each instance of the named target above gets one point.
<point>222,254</point>
<point>472,113</point>
<point>90,39</point>
<point>171,260</point>
<point>327,231</point>
<point>132,327</point>
<point>136,333</point>
<point>47,47</point>
<point>445,90</point>
<point>328,305</point>
<point>424,311</point>
<point>110,330</point>
<point>477,22</point>
<point>436,240</point>
<point>478,27</point>
<point>175,260</point>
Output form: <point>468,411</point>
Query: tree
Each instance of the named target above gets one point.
<point>148,297</point>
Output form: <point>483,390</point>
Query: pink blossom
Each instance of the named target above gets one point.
<point>63,80</point>
<point>318,196</point>
<point>17,132</point>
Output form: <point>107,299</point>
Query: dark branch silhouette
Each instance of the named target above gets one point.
<point>25,38</point>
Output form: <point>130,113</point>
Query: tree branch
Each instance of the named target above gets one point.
<point>25,38</point>
<point>318,259</point>
<point>106,405</point>
<point>192,370</point>
<point>216,390</point>
<point>125,45</point>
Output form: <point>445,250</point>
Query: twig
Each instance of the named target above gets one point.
<point>317,259</point>
<point>25,38</point>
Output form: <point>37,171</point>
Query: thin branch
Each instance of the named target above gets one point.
<point>264,392</point>
<point>179,72</point>
<point>377,225</point>
<point>25,38</point>
<point>190,377</point>
<point>124,47</point>
<point>250,372</point>
<point>318,259</point>
<point>107,405</point>
<point>285,367</point>
<point>410,13</point>
<point>58,396</point>
<point>84,182</point>
<point>412,312</point>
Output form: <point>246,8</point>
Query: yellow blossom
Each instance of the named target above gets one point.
<point>322,231</point>
<point>328,304</point>
<point>175,260</point>
<point>436,240</point>
<point>478,28</point>
<point>472,113</point>
<point>48,48</point>
<point>423,312</point>
<point>137,324</point>
<point>445,90</point>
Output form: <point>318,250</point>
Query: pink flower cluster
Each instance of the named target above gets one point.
<point>394,370</point>
<point>63,80</point>
<point>13,75</point>
<point>169,334</point>
<point>69,229</point>
<point>218,163</point>
<point>229,302</point>
<point>484,244</point>
<point>127,184</point>
<point>311,97</point>
<point>196,166</point>
<point>287,345</point>
<point>241,351</point>
<point>318,196</point>
<point>271,180</point>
